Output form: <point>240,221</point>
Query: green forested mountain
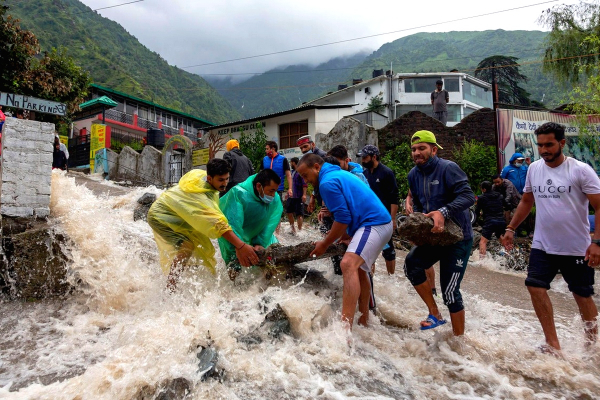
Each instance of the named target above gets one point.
<point>116,59</point>
<point>421,52</point>
<point>283,88</point>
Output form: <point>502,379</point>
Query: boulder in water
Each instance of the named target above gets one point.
<point>145,202</point>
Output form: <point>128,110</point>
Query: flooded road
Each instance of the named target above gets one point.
<point>122,335</point>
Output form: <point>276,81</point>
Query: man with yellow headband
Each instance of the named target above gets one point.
<point>241,166</point>
<point>441,191</point>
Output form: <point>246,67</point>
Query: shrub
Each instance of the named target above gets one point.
<point>478,161</point>
<point>399,160</point>
<point>253,145</point>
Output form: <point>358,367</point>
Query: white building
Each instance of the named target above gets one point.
<point>400,93</point>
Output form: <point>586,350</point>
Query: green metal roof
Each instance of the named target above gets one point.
<point>104,101</point>
<point>150,103</point>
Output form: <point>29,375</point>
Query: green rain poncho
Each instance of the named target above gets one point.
<point>188,212</point>
<point>251,219</point>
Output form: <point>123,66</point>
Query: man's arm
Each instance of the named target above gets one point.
<point>464,197</point>
<point>408,203</point>
<point>521,213</point>
<point>447,96</point>
<point>288,176</point>
<point>304,189</point>
<point>432,98</point>
<point>394,197</point>
<point>336,232</point>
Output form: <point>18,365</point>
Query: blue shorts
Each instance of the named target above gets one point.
<point>543,267</point>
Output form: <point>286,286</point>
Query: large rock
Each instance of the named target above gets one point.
<point>145,202</point>
<point>417,229</point>
<point>37,264</point>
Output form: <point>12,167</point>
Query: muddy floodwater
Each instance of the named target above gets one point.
<point>122,336</point>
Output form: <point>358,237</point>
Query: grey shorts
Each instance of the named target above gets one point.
<point>368,241</point>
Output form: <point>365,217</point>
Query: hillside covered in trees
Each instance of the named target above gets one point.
<point>116,59</point>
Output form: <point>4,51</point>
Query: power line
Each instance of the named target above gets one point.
<point>369,36</point>
<point>403,63</point>
<point>104,8</point>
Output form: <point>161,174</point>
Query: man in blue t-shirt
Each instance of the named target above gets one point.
<point>359,217</point>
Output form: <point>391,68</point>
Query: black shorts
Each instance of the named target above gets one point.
<point>389,251</point>
<point>496,227</point>
<point>294,206</point>
<point>543,267</point>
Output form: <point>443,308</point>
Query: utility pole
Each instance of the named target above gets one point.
<point>495,106</point>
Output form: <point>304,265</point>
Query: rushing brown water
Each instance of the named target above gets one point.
<point>122,333</point>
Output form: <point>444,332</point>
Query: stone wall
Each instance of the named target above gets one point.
<point>349,132</point>
<point>479,126</point>
<point>26,168</point>
<point>143,169</point>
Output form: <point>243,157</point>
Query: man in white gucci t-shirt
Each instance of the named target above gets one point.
<point>561,188</point>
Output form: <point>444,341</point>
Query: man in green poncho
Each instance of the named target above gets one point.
<point>254,210</point>
<point>187,216</point>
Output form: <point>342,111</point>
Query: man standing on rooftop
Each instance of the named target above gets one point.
<point>439,99</point>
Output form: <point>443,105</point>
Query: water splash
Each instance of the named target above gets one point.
<point>122,333</point>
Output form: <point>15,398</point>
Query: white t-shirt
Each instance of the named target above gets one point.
<point>561,206</point>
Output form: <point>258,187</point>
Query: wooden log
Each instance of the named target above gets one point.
<point>289,255</point>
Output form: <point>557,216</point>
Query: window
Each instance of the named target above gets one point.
<point>476,94</point>
<point>289,133</point>
<point>420,85</point>
<point>451,84</point>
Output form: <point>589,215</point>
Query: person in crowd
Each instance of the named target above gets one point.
<point>382,181</point>
<point>510,195</point>
<point>295,204</point>
<point>59,160</point>
<point>187,216</point>
<point>63,148</point>
<point>341,154</point>
<point>241,166</point>
<point>254,212</point>
<point>441,190</point>
<point>430,272</point>
<point>516,171</point>
<point>360,217</point>
<point>308,146</point>
<point>439,100</point>
<point>561,188</point>
<point>278,163</point>
<point>490,203</point>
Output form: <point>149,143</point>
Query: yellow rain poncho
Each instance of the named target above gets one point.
<point>188,212</point>
<point>251,219</point>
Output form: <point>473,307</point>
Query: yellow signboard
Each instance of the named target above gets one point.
<point>199,157</point>
<point>64,140</point>
<point>97,142</point>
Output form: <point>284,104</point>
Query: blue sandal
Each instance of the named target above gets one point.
<point>433,321</point>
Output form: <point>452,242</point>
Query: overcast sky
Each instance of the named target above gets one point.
<point>192,32</point>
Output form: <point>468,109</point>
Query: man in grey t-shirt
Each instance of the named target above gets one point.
<point>439,99</point>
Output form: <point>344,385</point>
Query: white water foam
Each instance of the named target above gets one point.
<point>122,332</point>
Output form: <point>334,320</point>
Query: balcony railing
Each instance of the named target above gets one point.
<point>143,123</point>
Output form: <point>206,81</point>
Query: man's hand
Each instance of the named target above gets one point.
<point>311,205</point>
<point>320,249</point>
<point>507,240</point>
<point>246,255</point>
<point>408,206</point>
<point>438,221</point>
<point>323,212</point>
<point>303,198</point>
<point>592,255</point>
<point>290,193</point>
<point>258,247</point>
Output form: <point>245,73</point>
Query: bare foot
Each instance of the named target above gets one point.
<point>547,349</point>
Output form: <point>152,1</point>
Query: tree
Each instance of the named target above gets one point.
<point>17,49</point>
<point>572,46</point>
<point>478,161</point>
<point>376,104</point>
<point>506,71</point>
<point>53,77</point>
<point>253,145</point>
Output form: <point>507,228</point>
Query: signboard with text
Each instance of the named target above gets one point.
<point>199,157</point>
<point>97,142</point>
<point>32,104</point>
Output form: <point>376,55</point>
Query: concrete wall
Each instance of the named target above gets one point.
<point>142,169</point>
<point>26,168</point>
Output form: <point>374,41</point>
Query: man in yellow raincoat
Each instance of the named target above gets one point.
<point>253,209</point>
<point>187,216</point>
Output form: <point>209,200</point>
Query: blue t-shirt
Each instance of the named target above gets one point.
<point>349,200</point>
